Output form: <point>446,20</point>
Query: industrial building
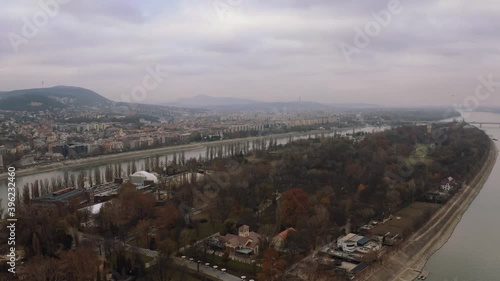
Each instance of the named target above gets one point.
<point>63,201</point>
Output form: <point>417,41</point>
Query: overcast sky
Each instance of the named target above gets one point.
<point>429,52</point>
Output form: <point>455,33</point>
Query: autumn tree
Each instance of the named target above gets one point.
<point>167,216</point>
<point>136,205</point>
<point>72,180</point>
<point>273,266</point>
<point>41,233</point>
<point>164,269</point>
<point>26,195</point>
<point>80,264</point>
<point>296,243</point>
<point>293,206</point>
<point>66,179</point>
<point>44,269</point>
<point>392,201</point>
<point>108,174</point>
<point>133,168</point>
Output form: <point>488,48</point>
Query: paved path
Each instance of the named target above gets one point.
<point>209,271</point>
<point>142,251</point>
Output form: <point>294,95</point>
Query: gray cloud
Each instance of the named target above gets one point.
<point>267,50</point>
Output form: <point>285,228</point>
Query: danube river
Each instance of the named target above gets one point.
<point>471,253</point>
<point>195,152</point>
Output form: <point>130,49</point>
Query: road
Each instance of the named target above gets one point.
<point>155,254</point>
<point>207,270</point>
<point>142,251</point>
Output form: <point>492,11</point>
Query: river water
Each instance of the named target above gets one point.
<point>195,152</point>
<point>473,251</point>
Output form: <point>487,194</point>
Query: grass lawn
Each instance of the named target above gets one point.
<point>252,159</point>
<point>234,267</point>
<point>130,256</point>
<point>206,229</point>
<point>409,216</point>
<point>421,155</point>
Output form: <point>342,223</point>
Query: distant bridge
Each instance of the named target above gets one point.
<point>480,123</point>
<point>484,123</point>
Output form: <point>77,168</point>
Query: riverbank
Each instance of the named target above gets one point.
<point>409,261</point>
<point>103,159</point>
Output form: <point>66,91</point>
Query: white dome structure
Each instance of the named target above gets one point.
<point>145,176</point>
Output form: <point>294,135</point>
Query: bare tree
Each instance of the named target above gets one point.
<point>2,209</point>
<point>44,269</point>
<point>163,269</point>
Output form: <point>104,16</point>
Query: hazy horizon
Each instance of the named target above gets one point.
<point>419,53</point>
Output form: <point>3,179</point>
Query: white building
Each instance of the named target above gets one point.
<point>354,242</point>
<point>448,184</point>
<point>142,178</point>
<point>348,243</point>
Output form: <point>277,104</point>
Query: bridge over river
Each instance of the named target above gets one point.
<point>480,123</point>
<point>485,123</point>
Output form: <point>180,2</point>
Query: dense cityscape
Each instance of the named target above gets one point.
<point>32,138</point>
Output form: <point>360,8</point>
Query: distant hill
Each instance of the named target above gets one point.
<point>492,109</point>
<point>45,98</point>
<point>351,106</point>
<point>276,107</point>
<point>227,104</point>
<point>204,101</point>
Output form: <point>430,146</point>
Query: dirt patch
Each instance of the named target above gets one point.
<point>407,220</point>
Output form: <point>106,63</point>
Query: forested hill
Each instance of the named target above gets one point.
<point>45,98</point>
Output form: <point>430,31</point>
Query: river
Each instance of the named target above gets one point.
<point>195,152</point>
<point>471,253</point>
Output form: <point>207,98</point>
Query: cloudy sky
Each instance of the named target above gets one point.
<point>423,52</point>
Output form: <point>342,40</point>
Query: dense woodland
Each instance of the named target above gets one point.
<point>314,185</point>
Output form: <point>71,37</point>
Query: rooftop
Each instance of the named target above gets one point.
<point>63,194</point>
<point>285,232</point>
<point>94,209</point>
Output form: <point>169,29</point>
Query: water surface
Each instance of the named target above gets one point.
<point>473,251</point>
